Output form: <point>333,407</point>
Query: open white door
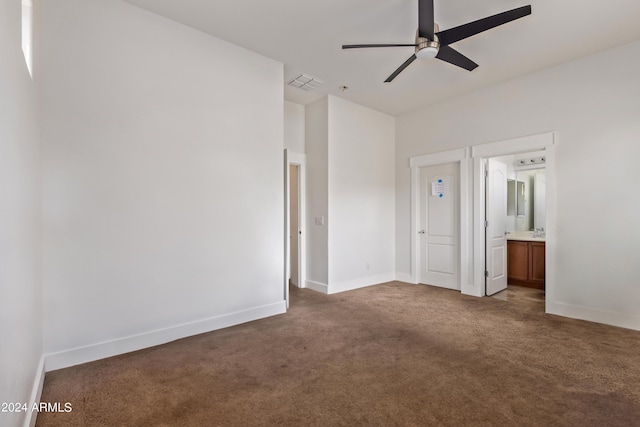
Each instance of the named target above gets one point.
<point>440,225</point>
<point>287,220</point>
<point>496,227</point>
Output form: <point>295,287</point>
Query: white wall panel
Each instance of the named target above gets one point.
<point>20,230</point>
<point>163,196</point>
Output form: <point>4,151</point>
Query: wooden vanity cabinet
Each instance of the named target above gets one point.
<point>536,263</point>
<point>525,263</point>
<point>517,261</point>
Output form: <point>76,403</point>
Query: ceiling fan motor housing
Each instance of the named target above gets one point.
<point>426,49</point>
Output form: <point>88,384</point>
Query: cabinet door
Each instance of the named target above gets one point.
<point>518,260</point>
<point>536,262</point>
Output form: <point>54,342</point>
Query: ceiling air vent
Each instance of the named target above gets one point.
<point>305,82</point>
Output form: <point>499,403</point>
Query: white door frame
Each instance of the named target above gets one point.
<point>460,156</point>
<point>545,141</point>
<point>299,160</point>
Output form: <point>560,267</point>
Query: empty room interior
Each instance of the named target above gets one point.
<point>340,203</point>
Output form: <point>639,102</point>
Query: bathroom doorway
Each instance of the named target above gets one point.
<point>515,222</point>
<point>295,214</point>
<point>540,249</point>
<point>515,253</point>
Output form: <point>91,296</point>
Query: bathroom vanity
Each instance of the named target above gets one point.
<point>525,260</point>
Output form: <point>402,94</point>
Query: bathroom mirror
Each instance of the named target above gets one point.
<point>515,198</point>
<point>511,197</point>
<point>528,196</point>
<point>520,198</point>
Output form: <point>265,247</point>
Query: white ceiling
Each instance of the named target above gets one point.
<point>307,37</point>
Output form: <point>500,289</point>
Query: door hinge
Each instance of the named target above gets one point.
<point>486,273</point>
<point>486,223</point>
<point>486,174</point>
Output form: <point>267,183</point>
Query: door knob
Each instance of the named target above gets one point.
<point>422,232</point>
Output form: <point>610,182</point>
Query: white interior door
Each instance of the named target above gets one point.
<point>496,227</point>
<point>440,226</point>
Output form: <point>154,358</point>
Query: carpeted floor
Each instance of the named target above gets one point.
<point>387,355</point>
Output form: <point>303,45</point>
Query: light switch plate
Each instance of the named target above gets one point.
<point>319,220</point>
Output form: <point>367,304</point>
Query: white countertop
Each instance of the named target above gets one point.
<point>526,236</point>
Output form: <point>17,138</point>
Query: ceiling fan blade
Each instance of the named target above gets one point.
<point>425,19</point>
<point>359,46</point>
<point>401,68</point>
<point>452,56</point>
<point>455,34</point>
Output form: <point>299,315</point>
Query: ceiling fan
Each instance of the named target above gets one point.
<point>431,42</point>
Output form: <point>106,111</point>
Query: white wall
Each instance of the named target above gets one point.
<point>20,210</point>
<point>163,171</point>
<point>294,127</point>
<point>592,104</point>
<point>350,182</point>
<point>317,150</point>
<point>361,195</point>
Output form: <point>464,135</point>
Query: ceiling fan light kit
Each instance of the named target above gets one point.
<point>433,43</point>
<point>427,49</point>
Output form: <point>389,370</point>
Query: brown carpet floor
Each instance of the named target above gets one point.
<point>387,355</point>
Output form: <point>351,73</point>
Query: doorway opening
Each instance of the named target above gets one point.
<point>515,222</point>
<point>294,232</point>
<point>542,145</point>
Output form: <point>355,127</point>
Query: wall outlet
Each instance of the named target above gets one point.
<point>367,266</point>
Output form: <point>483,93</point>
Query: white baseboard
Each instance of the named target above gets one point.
<point>317,286</point>
<point>406,278</point>
<point>36,392</point>
<point>105,349</point>
<point>622,320</point>
<point>350,285</point>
